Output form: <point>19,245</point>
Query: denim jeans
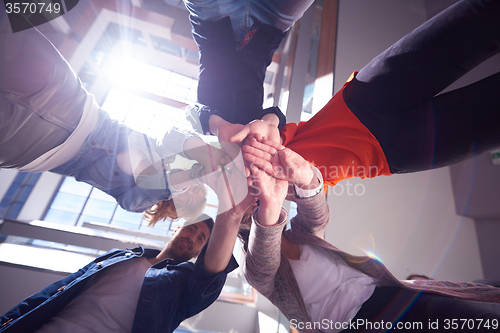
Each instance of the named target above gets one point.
<point>244,13</point>
<point>95,164</point>
<point>32,97</point>
<point>396,95</point>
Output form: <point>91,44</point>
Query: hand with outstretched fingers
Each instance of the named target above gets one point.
<point>278,161</point>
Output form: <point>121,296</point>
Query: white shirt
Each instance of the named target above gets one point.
<point>107,306</point>
<point>330,288</point>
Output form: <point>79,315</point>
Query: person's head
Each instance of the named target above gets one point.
<point>188,205</point>
<point>188,241</point>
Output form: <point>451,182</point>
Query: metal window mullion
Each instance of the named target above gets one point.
<point>300,67</point>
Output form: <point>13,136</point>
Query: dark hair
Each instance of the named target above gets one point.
<point>244,231</point>
<point>207,220</point>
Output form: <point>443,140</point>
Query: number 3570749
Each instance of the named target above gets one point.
<point>32,7</point>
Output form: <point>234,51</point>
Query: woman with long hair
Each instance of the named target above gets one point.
<point>188,205</point>
<point>320,288</point>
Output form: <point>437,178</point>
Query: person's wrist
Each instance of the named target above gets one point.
<point>214,122</point>
<point>271,119</point>
<point>313,185</point>
<point>268,215</point>
<point>307,182</point>
<point>270,202</point>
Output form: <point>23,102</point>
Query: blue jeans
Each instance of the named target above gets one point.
<point>95,164</point>
<point>32,97</point>
<point>396,95</point>
<point>244,13</point>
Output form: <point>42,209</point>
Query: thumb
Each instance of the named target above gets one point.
<point>282,155</point>
<point>284,158</point>
<point>240,136</point>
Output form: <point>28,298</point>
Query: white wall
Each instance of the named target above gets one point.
<point>408,221</point>
<point>366,28</point>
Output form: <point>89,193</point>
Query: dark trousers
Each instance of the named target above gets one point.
<point>396,95</point>
<point>421,312</point>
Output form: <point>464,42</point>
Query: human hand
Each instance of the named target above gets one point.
<point>270,190</point>
<point>229,184</point>
<point>266,128</point>
<point>279,161</point>
<point>211,157</point>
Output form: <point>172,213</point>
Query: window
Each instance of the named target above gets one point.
<point>76,202</point>
<point>165,45</point>
<point>17,194</point>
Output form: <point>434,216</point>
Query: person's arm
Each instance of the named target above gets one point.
<point>284,163</point>
<point>263,257</point>
<point>313,213</point>
<point>264,243</point>
<point>216,260</point>
<point>230,185</point>
<point>221,243</point>
<point>147,155</point>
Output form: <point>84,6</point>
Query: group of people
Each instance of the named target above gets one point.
<point>388,117</point>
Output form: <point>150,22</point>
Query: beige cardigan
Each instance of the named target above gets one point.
<point>269,271</point>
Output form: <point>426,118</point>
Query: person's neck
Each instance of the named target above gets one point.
<point>164,254</point>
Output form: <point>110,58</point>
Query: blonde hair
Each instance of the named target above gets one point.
<point>166,209</point>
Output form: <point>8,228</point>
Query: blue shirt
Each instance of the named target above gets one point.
<point>95,163</point>
<point>170,293</point>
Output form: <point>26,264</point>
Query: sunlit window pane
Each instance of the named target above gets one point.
<point>68,202</point>
<point>100,195</point>
<point>117,104</point>
<point>99,208</point>
<point>57,216</point>
<point>145,115</point>
<point>125,216</point>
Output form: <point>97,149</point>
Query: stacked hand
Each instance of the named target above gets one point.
<point>260,129</point>
<point>233,136</point>
<point>230,185</point>
<point>278,161</point>
<point>273,167</point>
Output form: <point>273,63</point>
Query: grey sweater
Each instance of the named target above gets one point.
<point>270,273</point>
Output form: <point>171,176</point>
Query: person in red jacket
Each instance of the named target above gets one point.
<point>390,116</point>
